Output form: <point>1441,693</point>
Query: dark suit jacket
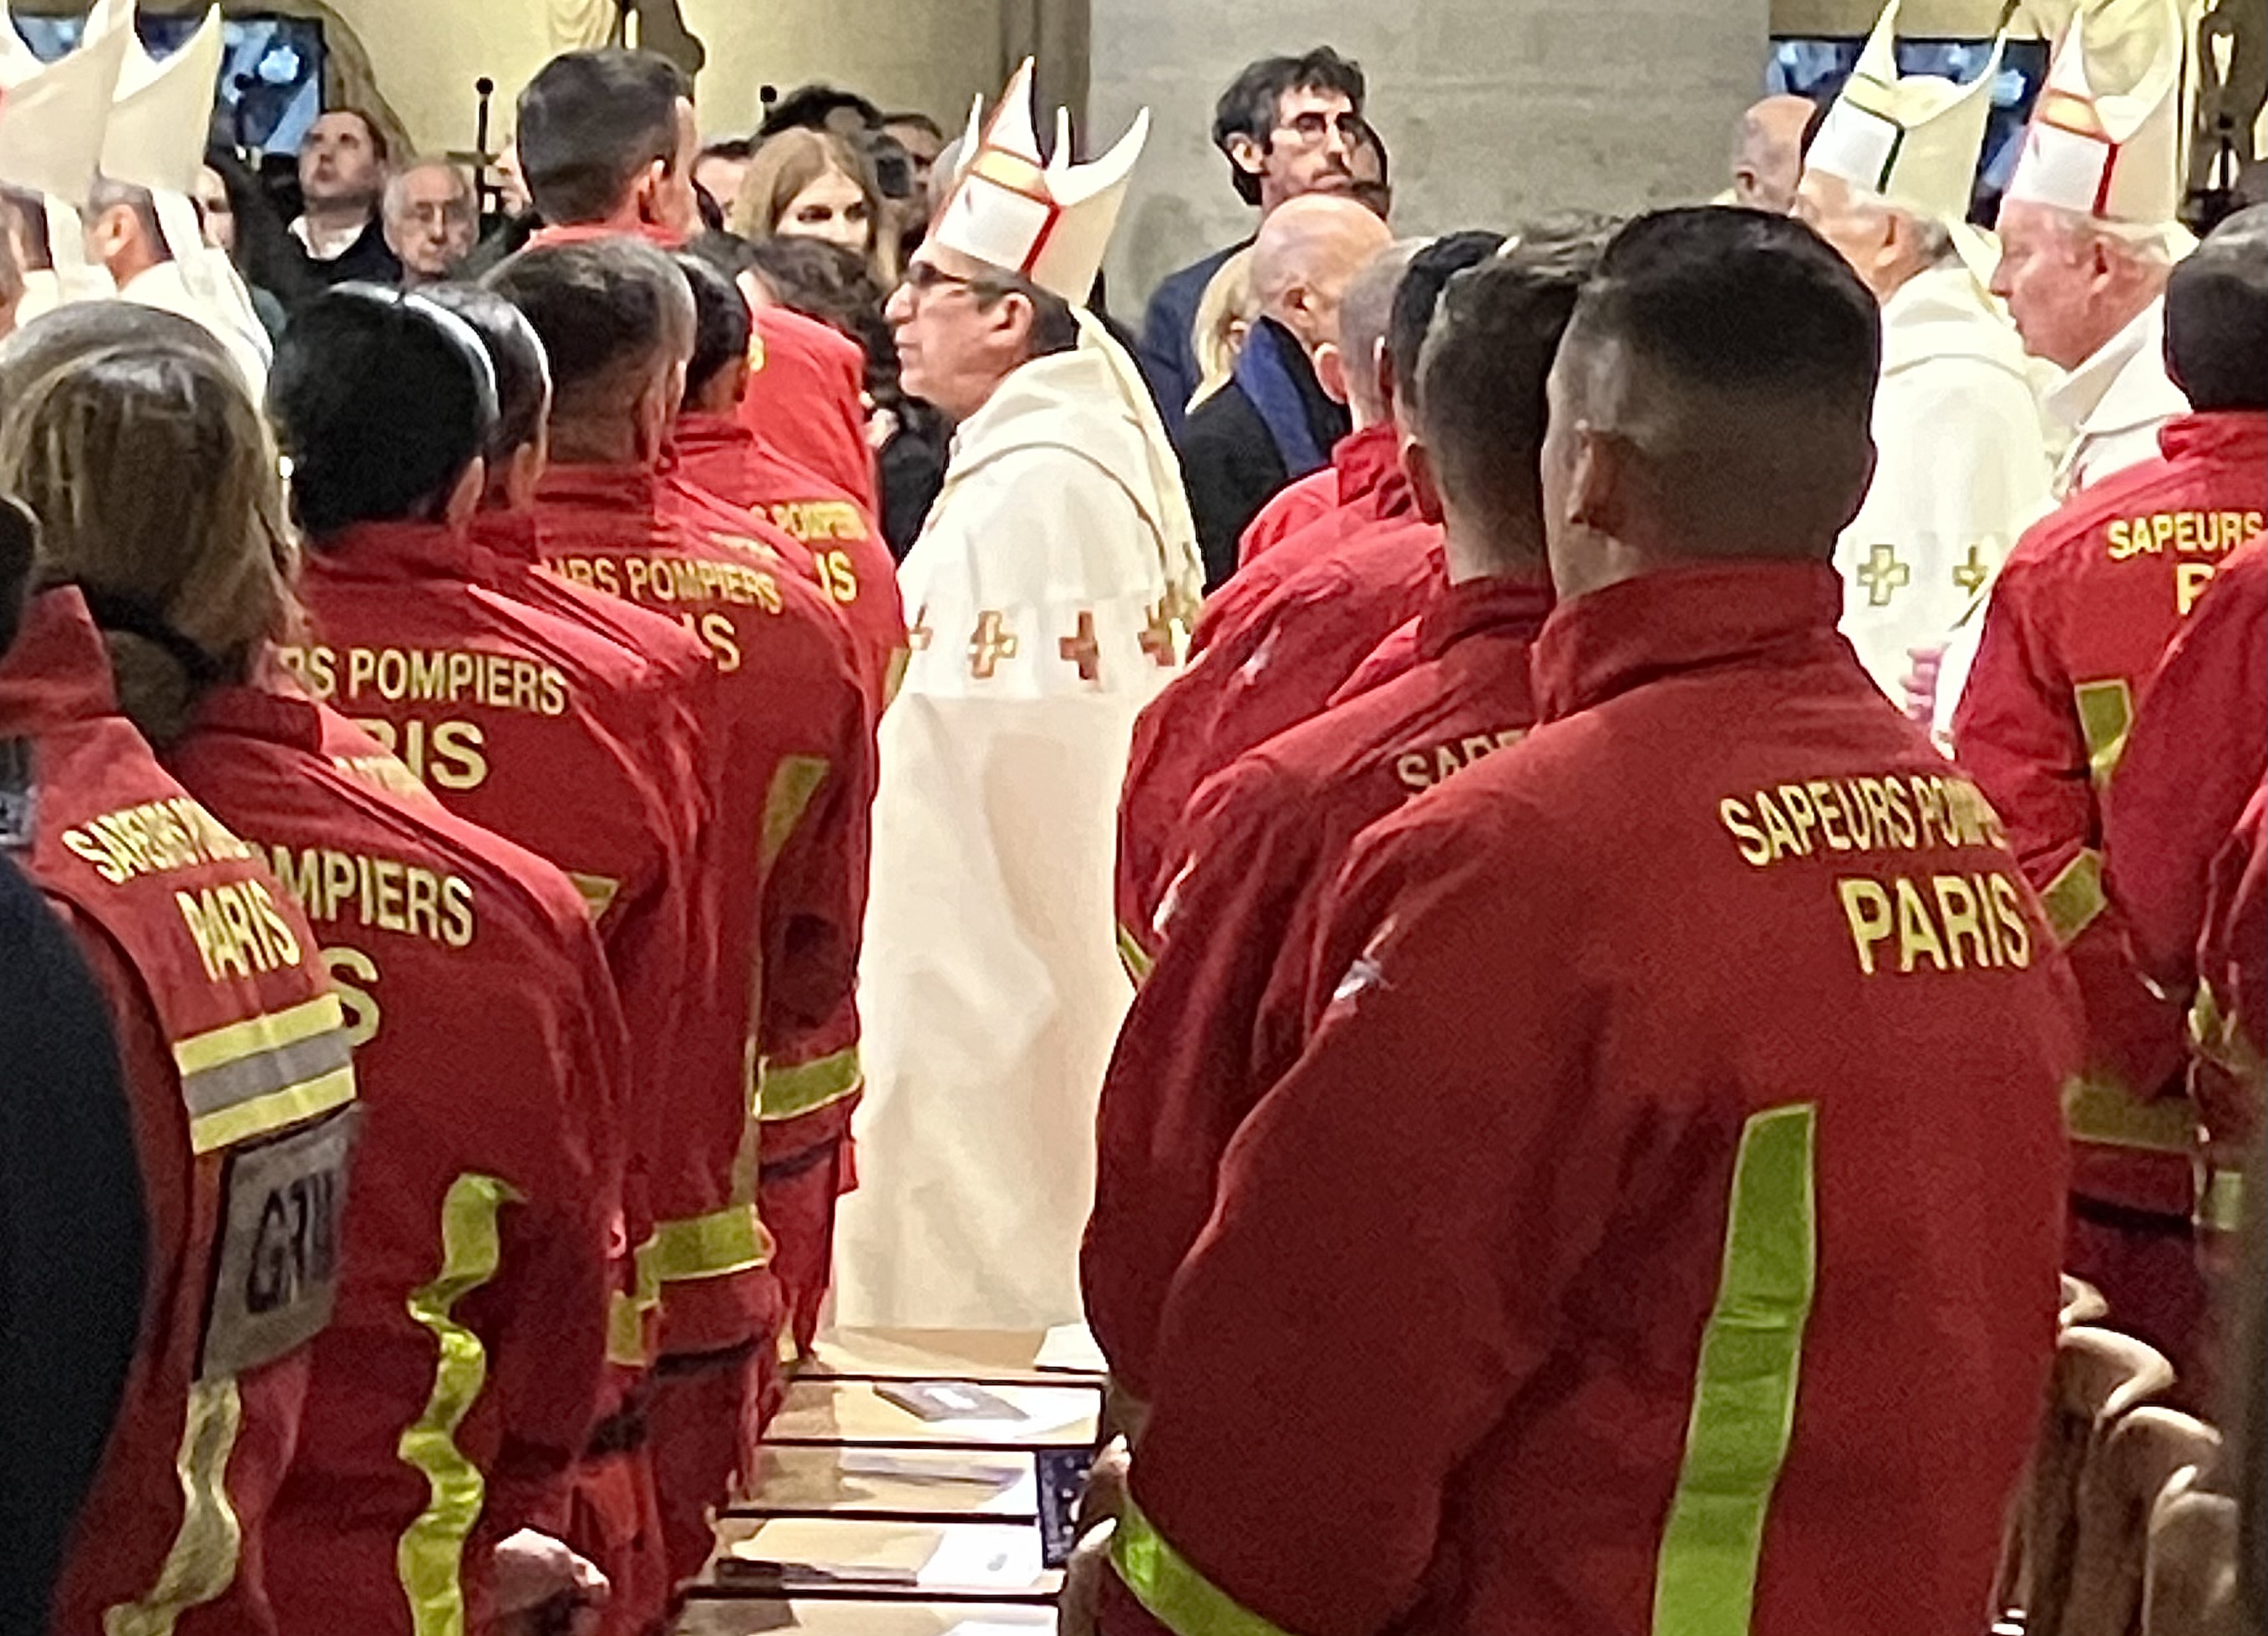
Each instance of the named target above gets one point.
<point>1230,462</point>
<point>1169,351</point>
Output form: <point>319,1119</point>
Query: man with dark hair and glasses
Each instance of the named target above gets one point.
<point>1288,126</point>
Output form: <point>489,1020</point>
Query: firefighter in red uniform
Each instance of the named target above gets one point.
<point>848,557</point>
<point>499,707</point>
<point>1634,1195</point>
<point>480,1231</point>
<point>616,318</point>
<point>236,1058</point>
<point>1274,644</point>
<point>1218,1018</point>
<point>2079,619</point>
<point>807,398</point>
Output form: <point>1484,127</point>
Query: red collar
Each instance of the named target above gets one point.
<point>1682,619</point>
<point>2226,435</point>
<point>698,433</point>
<point>58,671</point>
<point>1367,462</point>
<point>583,232</point>
<point>394,551</point>
<point>1494,606</point>
<point>275,712</point>
<point>509,536</point>
<point>631,490</point>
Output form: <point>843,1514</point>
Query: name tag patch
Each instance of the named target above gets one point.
<point>277,1275</point>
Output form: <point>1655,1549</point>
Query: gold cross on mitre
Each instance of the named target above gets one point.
<point>1082,650</point>
<point>1157,638</point>
<point>989,644</point>
<point>1883,575</point>
<point>1973,572</point>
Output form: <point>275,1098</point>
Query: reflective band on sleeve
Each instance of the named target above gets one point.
<point>2106,713</point>
<point>1133,956</point>
<point>1744,1394</point>
<point>789,1092</point>
<point>201,1565</point>
<point>2074,897</point>
<point>794,781</point>
<point>2215,1036</point>
<point>2105,1113</point>
<point>1178,1596</point>
<point>728,1241</point>
<point>265,1073</point>
<point>2220,1206</point>
<point>429,1555</point>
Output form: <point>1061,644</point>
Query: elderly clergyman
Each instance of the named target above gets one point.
<point>431,219</point>
<point>1961,464</point>
<point>1046,595</point>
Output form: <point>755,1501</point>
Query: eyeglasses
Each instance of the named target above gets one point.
<point>924,279</point>
<point>1313,128</point>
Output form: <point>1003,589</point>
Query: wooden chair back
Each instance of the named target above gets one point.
<point>2190,1582</point>
<point>2139,1455</point>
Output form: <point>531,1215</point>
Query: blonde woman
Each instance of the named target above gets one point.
<point>1225,314</point>
<point>814,184</point>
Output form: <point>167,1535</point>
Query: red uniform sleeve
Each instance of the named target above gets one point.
<point>2019,734</point>
<point>2192,761</point>
<point>2231,1019</point>
<point>1179,1082</point>
<point>1162,772</point>
<point>1342,1338</point>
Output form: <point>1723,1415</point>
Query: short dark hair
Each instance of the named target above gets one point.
<point>733,148</point>
<point>821,281</point>
<point>1746,353</point>
<point>1248,108</point>
<point>590,122</point>
<point>1480,379</point>
<point>380,400</point>
<point>2217,316</point>
<point>381,148</point>
<point>1419,293</point>
<point>813,107</point>
<point>523,374</point>
<point>606,310</point>
<point>721,323</point>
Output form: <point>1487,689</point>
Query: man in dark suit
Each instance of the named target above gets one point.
<point>1288,126</point>
<point>1285,404</point>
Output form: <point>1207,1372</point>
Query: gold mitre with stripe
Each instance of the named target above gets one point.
<point>1046,222</point>
<point>2112,155</point>
<point>1913,139</point>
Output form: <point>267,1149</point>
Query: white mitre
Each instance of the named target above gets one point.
<point>1049,223</point>
<point>51,122</point>
<point>2115,156</point>
<point>1913,139</point>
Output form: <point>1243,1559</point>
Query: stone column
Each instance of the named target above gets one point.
<point>1491,109</point>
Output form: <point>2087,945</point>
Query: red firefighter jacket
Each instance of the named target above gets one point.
<point>801,757</point>
<point>2191,763</point>
<point>1660,1230</point>
<point>1275,668</point>
<point>500,708</point>
<point>849,561</point>
<point>464,1368</point>
<point>1290,509</point>
<point>806,400</point>
<point>2230,1022</point>
<point>2079,618</point>
<point>236,1060</point>
<point>1266,836</point>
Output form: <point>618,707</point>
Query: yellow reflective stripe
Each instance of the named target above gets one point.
<point>2106,1113</point>
<point>2220,1206</point>
<point>1133,956</point>
<point>788,1092</point>
<point>2106,713</point>
<point>2215,1036</point>
<point>272,1112</point>
<point>429,1555</point>
<point>727,1241</point>
<point>1743,1415</point>
<point>794,781</point>
<point>201,1565</point>
<point>255,1035</point>
<point>2074,897</point>
<point>598,894</point>
<point>626,1336</point>
<point>1178,1596</point>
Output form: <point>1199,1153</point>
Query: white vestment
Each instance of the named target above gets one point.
<point>167,287</point>
<point>2111,407</point>
<point>1961,469</point>
<point>1042,594</point>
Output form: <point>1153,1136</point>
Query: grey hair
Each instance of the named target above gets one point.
<point>398,179</point>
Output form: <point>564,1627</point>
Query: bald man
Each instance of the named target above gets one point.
<point>1768,153</point>
<point>1275,421</point>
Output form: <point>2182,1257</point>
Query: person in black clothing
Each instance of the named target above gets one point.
<point>342,163</point>
<point>72,1227</point>
<point>1277,417</point>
